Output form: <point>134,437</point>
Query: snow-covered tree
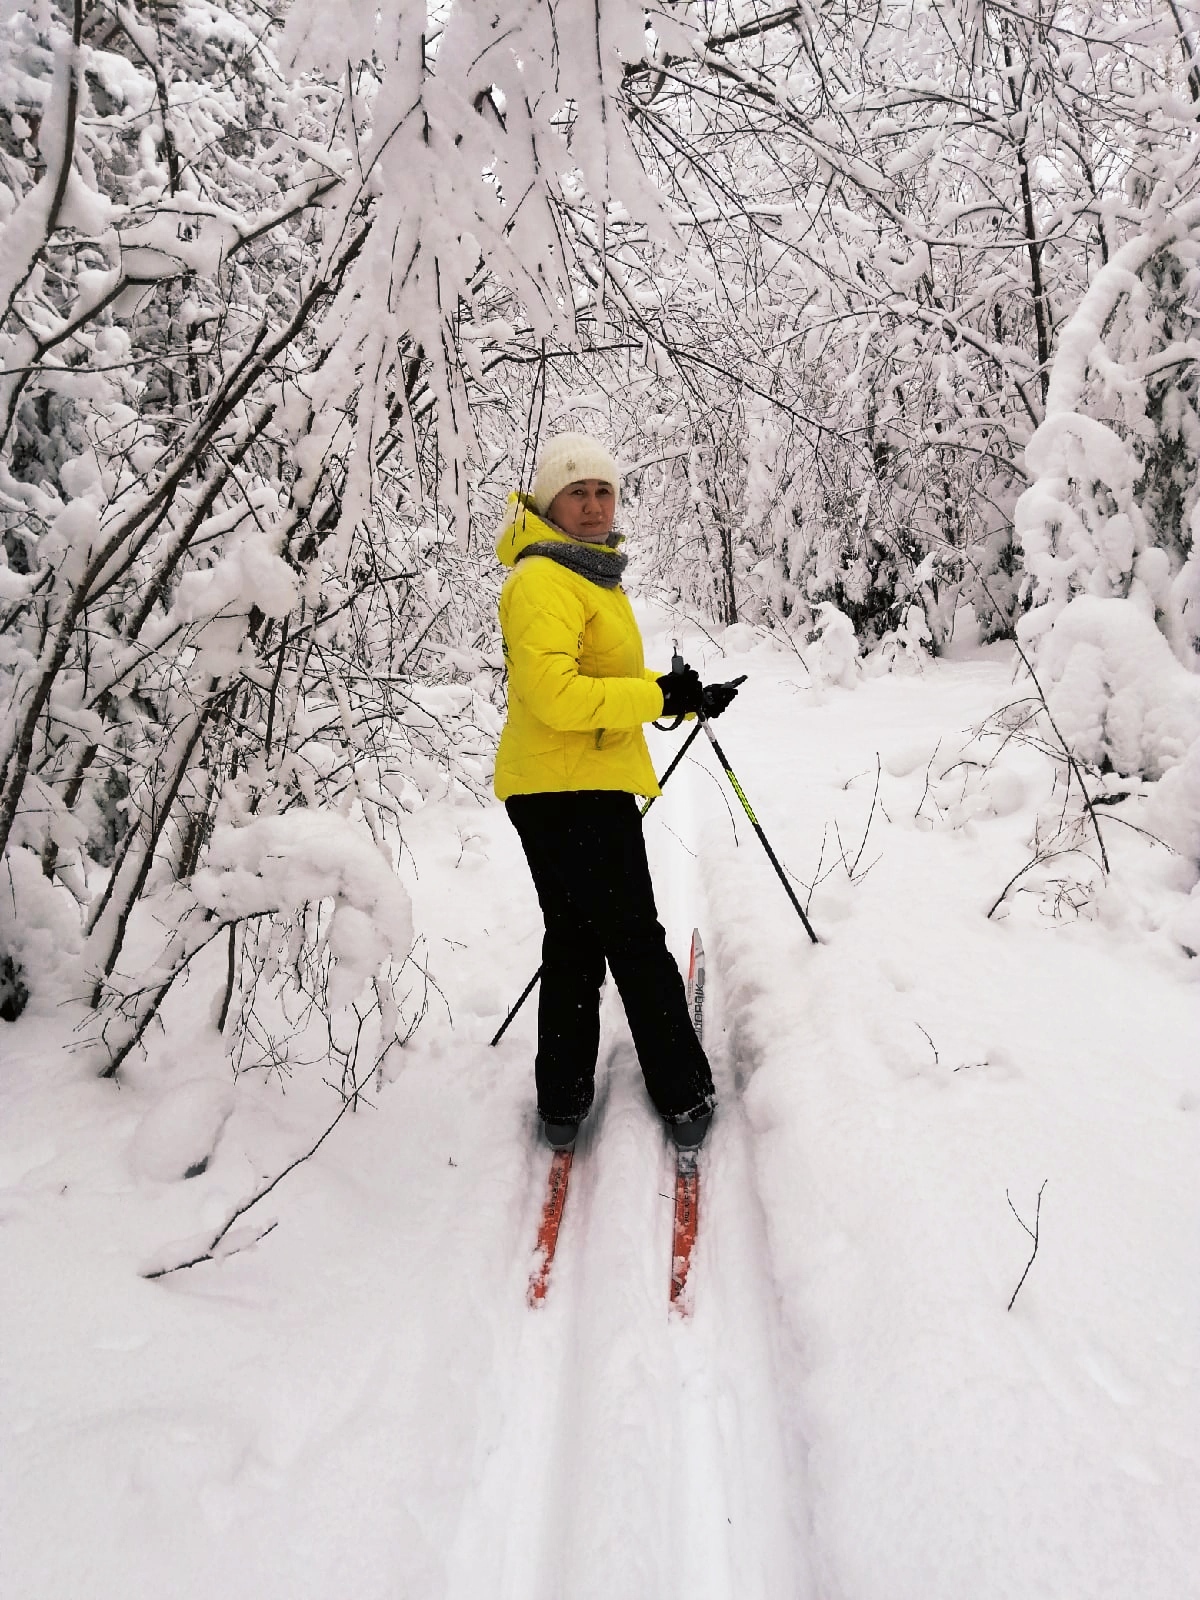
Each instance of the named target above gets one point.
<point>1113,506</point>
<point>289,292</point>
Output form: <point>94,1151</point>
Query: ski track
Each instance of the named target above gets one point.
<point>626,1450</point>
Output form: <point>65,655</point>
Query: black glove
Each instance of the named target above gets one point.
<point>682,691</point>
<point>718,697</point>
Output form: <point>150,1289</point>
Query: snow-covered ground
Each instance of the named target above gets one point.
<point>361,1405</point>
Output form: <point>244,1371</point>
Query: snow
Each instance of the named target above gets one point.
<point>283,862</point>
<point>250,572</point>
<point>39,924</point>
<point>1116,690</point>
<point>183,235</point>
<point>178,1134</point>
<point>832,657</point>
<point>361,1403</point>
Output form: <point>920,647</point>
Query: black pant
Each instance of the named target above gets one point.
<point>588,859</point>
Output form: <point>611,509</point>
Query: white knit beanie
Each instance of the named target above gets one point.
<point>567,458</point>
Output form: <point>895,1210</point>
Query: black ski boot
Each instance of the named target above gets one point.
<point>560,1135</point>
<point>688,1132</point>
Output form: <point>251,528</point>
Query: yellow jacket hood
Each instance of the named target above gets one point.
<point>523,526</point>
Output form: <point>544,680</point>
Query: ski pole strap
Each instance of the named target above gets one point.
<point>766,843</point>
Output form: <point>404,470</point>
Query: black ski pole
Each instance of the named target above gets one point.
<point>766,843</point>
<point>682,751</point>
<point>532,984</point>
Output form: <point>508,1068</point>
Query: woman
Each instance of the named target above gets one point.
<point>571,759</point>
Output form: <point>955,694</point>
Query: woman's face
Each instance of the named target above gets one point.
<point>585,509</point>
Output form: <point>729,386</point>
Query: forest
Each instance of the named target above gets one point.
<point>890,316</point>
<point>889,310</point>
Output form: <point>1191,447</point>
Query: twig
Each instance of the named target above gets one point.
<point>208,1255</point>
<point>870,867</point>
<point>261,1194</point>
<point>791,643</point>
<point>928,774</point>
<point>870,816</point>
<point>1032,1232</point>
<point>817,874</point>
<point>679,841</point>
<point>1038,860</point>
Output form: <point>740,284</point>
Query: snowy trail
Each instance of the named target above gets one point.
<point>630,1451</point>
<point>735,1432</point>
<point>565,1451</point>
<point>735,1425</point>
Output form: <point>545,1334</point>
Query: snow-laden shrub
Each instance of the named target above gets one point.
<point>1112,505</point>
<point>1173,814</point>
<point>904,649</point>
<point>1116,692</point>
<point>1173,809</point>
<point>832,655</point>
<point>278,864</point>
<point>39,933</point>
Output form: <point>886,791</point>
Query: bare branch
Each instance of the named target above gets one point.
<point>1032,1232</point>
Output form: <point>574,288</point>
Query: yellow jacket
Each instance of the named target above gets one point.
<point>578,686</point>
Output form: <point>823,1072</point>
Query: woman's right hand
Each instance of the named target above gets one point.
<point>682,691</point>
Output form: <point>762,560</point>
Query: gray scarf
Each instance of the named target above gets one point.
<point>601,564</point>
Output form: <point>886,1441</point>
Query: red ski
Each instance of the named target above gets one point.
<point>552,1213</point>
<point>687,1221</point>
<point>695,984</point>
<point>687,1162</point>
